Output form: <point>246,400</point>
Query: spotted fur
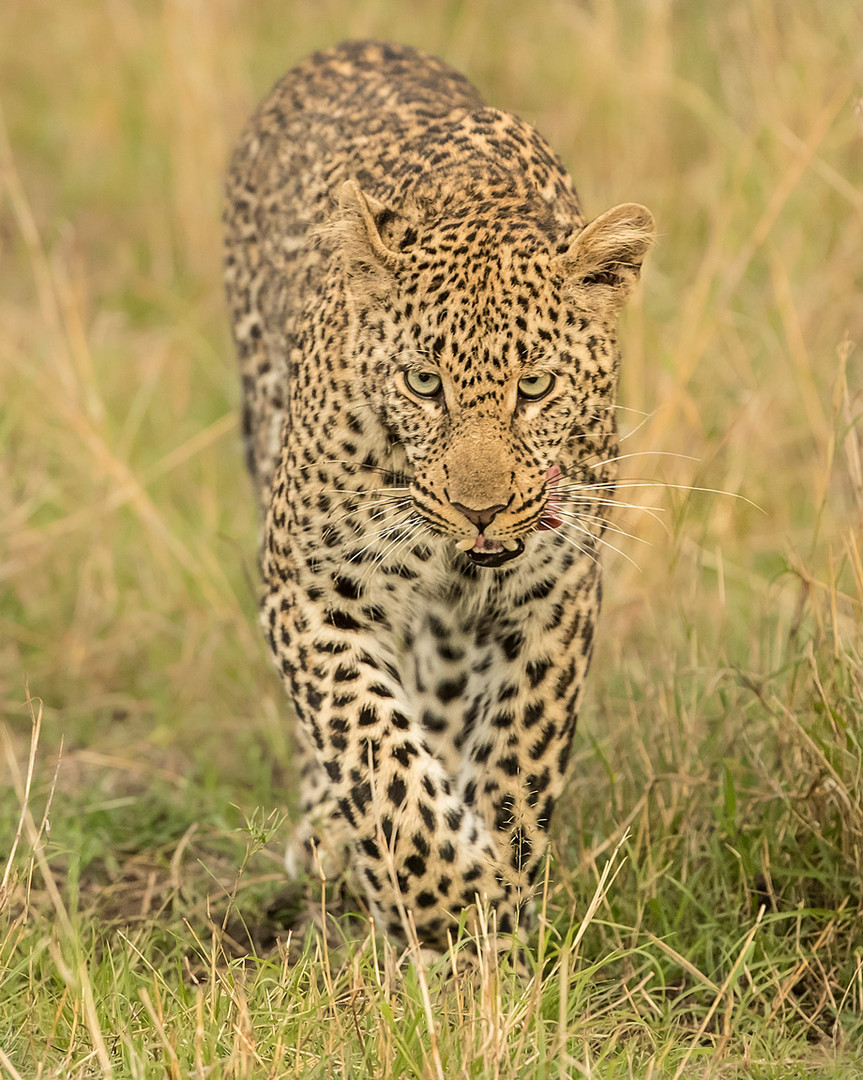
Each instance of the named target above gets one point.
<point>406,269</point>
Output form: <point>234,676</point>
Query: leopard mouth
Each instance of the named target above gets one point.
<point>550,518</point>
<point>485,552</point>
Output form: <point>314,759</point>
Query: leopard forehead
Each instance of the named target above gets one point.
<point>482,310</point>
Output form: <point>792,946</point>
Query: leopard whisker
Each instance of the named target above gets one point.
<point>638,483</point>
<point>364,493</point>
<point>645,453</point>
<point>379,512</point>
<point>597,433</point>
<point>357,503</point>
<point>609,485</point>
<point>356,556</point>
<point>356,465</point>
<point>605,523</point>
<point>600,518</point>
<point>646,417</point>
<point>382,533</point>
<point>388,530</point>
<point>599,540</point>
<point>412,525</point>
<point>582,550</point>
<point>651,511</point>
<point>568,493</point>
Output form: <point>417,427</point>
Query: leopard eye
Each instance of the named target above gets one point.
<point>534,387</point>
<point>423,383</point>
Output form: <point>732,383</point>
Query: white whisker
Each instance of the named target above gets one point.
<point>599,540</point>
<point>593,502</point>
<point>645,453</point>
<point>598,501</point>
<point>576,517</point>
<point>380,512</point>
<point>367,492</point>
<point>573,543</point>
<point>359,466</point>
<point>412,526</point>
<point>356,556</point>
<point>677,487</point>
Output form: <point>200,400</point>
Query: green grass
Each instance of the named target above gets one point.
<point>718,775</point>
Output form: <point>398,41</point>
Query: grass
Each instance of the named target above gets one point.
<point>703,912</point>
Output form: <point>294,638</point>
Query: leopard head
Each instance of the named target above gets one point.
<point>485,345</point>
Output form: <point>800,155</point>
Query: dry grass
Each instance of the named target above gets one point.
<point>721,753</point>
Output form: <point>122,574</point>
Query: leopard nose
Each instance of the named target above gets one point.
<point>480,518</point>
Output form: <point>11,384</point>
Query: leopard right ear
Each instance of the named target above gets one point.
<point>359,223</point>
<point>604,259</point>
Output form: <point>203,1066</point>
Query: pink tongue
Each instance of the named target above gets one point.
<point>482,543</point>
<point>551,519</point>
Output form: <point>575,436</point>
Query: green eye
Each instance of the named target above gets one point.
<point>423,383</point>
<point>534,387</point>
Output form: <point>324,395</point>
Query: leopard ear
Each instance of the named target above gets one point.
<point>360,220</point>
<point>604,259</point>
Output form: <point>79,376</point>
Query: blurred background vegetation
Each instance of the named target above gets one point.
<point>724,720</point>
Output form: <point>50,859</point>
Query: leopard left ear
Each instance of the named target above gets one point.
<point>360,221</point>
<point>605,258</point>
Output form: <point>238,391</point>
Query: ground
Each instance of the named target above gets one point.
<point>703,908</point>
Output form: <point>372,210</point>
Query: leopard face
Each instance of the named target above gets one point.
<point>491,363</point>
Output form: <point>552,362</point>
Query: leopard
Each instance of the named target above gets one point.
<point>427,332</point>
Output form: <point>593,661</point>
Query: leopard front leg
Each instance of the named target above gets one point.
<point>521,707</point>
<point>415,845</point>
<point>318,848</point>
